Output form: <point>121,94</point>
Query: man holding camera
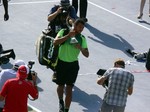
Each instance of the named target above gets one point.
<point>61,16</point>
<point>119,87</point>
<point>15,91</point>
<point>9,74</point>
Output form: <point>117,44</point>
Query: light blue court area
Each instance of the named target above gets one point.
<point>112,28</point>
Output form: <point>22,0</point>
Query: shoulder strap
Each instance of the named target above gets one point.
<point>66,31</point>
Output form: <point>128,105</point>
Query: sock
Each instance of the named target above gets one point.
<point>61,105</point>
<point>66,110</point>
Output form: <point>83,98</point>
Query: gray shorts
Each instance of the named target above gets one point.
<point>111,108</point>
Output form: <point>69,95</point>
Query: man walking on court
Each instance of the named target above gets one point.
<point>67,68</point>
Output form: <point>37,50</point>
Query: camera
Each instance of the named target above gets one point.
<point>31,72</point>
<point>5,55</point>
<point>100,73</point>
<point>65,11</point>
<point>139,56</point>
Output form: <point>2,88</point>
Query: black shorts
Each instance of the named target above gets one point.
<point>67,72</point>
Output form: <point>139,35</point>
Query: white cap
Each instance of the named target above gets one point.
<point>19,63</point>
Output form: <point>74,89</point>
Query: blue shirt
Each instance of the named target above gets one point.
<point>119,82</point>
<point>72,12</point>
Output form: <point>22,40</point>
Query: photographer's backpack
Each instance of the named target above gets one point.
<point>46,52</point>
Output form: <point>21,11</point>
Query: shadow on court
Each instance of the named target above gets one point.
<point>90,102</point>
<point>115,41</point>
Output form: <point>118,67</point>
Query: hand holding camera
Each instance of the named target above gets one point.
<point>100,73</point>
<point>32,76</point>
<point>59,10</point>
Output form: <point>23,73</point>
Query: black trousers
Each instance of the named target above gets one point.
<point>83,7</point>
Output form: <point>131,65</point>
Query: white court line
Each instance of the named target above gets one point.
<point>118,15</point>
<point>36,2</point>
<point>34,108</point>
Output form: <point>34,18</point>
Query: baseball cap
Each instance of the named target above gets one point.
<point>19,63</point>
<point>23,72</point>
<point>64,2</point>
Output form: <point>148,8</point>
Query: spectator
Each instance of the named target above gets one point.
<point>15,91</point>
<point>67,68</point>
<point>6,16</point>
<point>119,87</point>
<point>141,9</point>
<point>9,74</point>
<point>83,8</point>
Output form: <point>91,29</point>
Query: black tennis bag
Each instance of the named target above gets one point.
<point>47,53</point>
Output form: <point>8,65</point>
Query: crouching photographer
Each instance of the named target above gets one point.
<point>119,87</point>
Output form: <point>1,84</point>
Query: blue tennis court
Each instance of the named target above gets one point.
<point>112,28</point>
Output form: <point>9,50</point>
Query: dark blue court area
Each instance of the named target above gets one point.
<point>112,28</point>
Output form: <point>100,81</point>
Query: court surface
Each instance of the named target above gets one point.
<point>112,28</point>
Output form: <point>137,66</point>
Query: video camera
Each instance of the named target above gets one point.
<point>31,72</point>
<point>100,73</point>
<point>5,55</point>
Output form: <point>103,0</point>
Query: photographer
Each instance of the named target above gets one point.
<point>9,74</point>
<point>119,87</point>
<point>60,16</point>
<point>15,91</point>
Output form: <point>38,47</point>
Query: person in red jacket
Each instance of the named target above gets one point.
<point>15,91</point>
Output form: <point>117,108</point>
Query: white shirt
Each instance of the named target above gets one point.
<point>4,76</point>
